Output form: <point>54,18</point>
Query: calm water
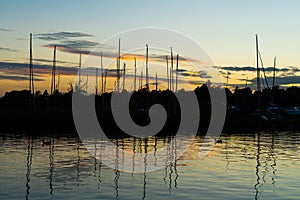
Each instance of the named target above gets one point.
<point>258,166</point>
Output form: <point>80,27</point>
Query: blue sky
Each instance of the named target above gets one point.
<point>225,29</point>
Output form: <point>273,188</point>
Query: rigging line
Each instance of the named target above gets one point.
<point>263,82</point>
<point>262,66</point>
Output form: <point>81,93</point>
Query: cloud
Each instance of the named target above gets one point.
<point>252,69</point>
<point>197,82</point>
<point>5,29</point>
<point>60,35</point>
<point>39,69</point>
<point>22,70</point>
<point>181,70</point>
<point>73,44</point>
<point>294,69</point>
<point>281,80</point>
<point>204,74</point>
<point>70,43</point>
<point>18,78</point>
<point>199,74</point>
<point>7,49</point>
<point>84,47</point>
<point>51,61</point>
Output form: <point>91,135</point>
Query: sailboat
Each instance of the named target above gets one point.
<point>261,114</point>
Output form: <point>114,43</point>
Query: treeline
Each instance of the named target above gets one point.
<point>43,112</point>
<point>247,100</point>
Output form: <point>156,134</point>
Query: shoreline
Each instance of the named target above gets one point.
<point>62,124</point>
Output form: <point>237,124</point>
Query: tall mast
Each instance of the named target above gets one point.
<point>167,59</point>
<point>273,84</point>
<point>31,81</point>
<point>118,64</point>
<point>102,86</point>
<point>156,81</point>
<point>134,73</point>
<point>96,85</point>
<point>274,71</point>
<point>53,84</point>
<point>177,57</point>
<point>102,73</point>
<point>79,73</point>
<point>257,64</point>
<point>258,72</point>
<point>171,72</point>
<point>147,72</point>
<point>124,73</point>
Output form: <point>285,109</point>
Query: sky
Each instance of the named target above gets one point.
<point>224,29</point>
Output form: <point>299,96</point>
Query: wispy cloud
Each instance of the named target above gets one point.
<point>18,78</point>
<point>70,42</point>
<point>252,69</point>
<point>7,49</point>
<point>60,35</point>
<point>42,60</point>
<point>39,69</point>
<point>5,29</point>
<point>282,80</point>
<point>73,42</point>
<point>196,74</point>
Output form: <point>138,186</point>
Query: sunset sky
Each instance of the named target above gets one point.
<point>225,30</point>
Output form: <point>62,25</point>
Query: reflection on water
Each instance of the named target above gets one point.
<point>256,166</point>
<point>29,162</point>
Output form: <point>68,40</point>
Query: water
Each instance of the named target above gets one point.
<point>257,166</point>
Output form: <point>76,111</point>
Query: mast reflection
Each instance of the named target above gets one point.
<point>51,166</point>
<point>257,185</point>
<point>263,158</point>
<point>29,163</point>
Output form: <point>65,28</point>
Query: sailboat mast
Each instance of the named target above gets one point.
<point>79,73</point>
<point>156,82</point>
<point>177,57</point>
<point>96,85</point>
<point>31,83</point>
<point>134,73</point>
<point>147,72</point>
<point>274,71</point>
<point>53,84</point>
<point>257,64</point>
<point>124,73</point>
<point>167,59</point>
<point>102,73</point>
<point>171,71</point>
<point>273,84</point>
<point>118,65</point>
